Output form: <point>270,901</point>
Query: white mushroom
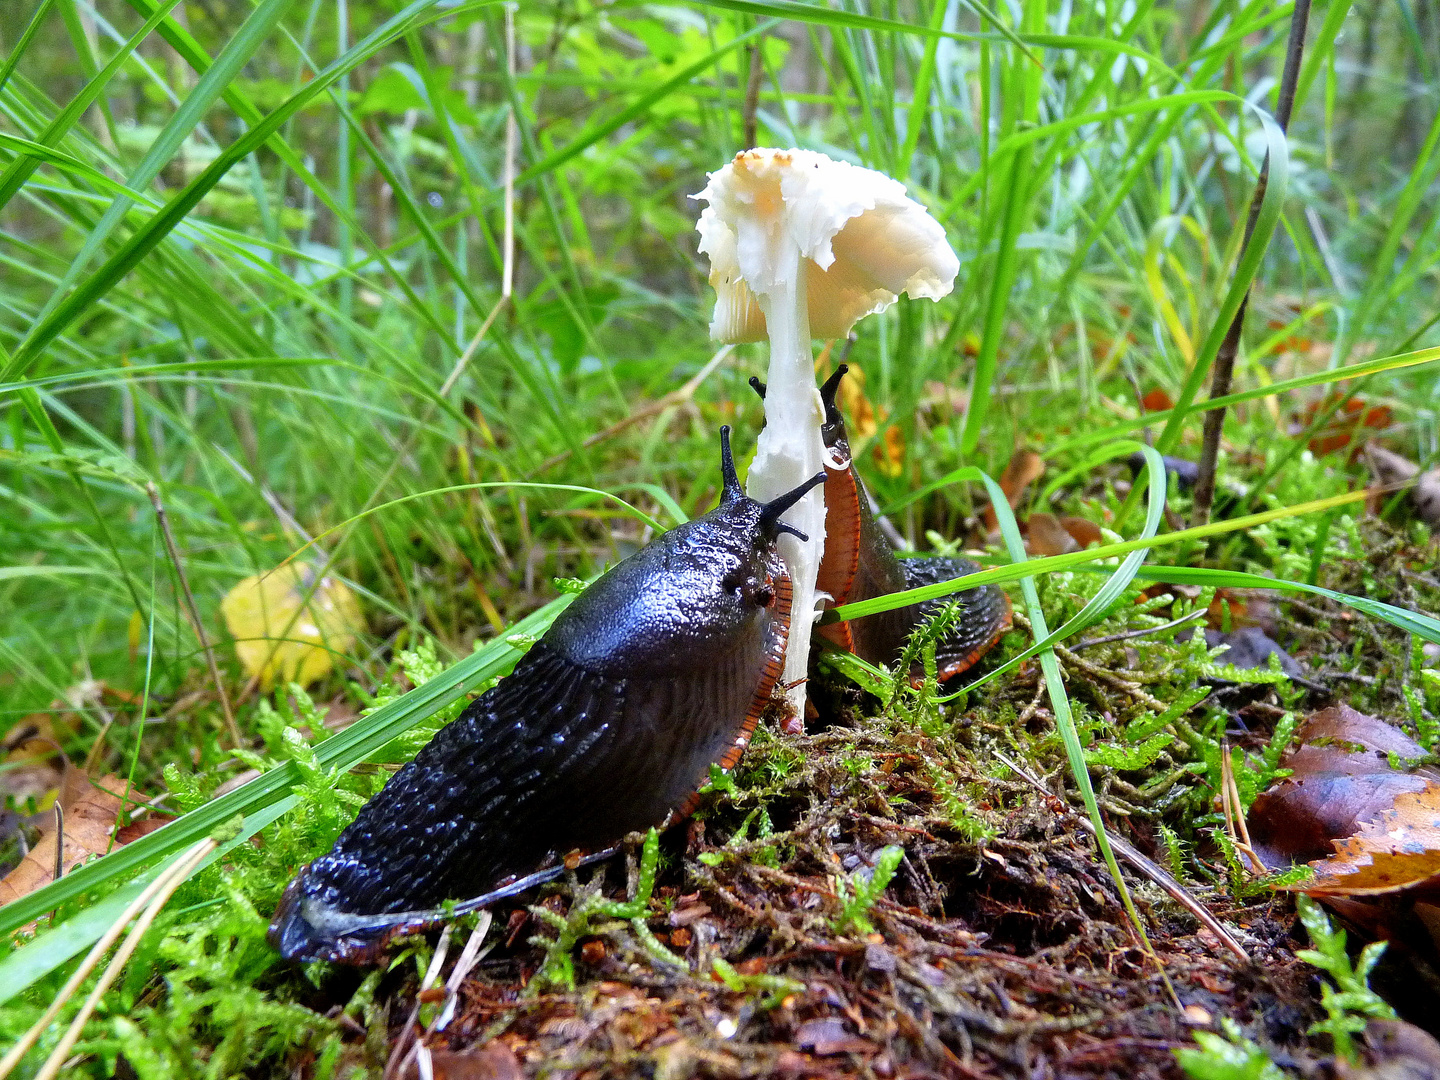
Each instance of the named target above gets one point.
<point>802,246</point>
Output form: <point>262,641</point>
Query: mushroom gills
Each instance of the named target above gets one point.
<point>859,563</point>
<point>660,669</point>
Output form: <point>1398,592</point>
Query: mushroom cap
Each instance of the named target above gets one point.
<point>862,239</point>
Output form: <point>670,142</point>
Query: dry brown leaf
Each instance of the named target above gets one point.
<point>32,766</point>
<point>280,635</point>
<point>144,827</point>
<point>1345,739</point>
<point>1341,429</point>
<point>90,812</point>
<point>1085,531</point>
<point>1023,469</point>
<point>1399,851</point>
<point>1044,535</point>
<point>1342,776</point>
<point>1156,400</point>
<point>493,1061</point>
<point>1393,470</point>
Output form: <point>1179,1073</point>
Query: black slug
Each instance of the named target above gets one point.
<point>859,563</point>
<point>609,723</point>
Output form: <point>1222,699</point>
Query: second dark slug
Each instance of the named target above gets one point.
<point>611,721</point>
<point>859,564</point>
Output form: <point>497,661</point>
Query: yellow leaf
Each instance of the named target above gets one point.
<point>1155,255</point>
<point>860,419</point>
<point>289,627</point>
<point>890,453</point>
<point>137,625</point>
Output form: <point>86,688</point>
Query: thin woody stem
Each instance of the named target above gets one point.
<point>1224,370</point>
<point>194,613</point>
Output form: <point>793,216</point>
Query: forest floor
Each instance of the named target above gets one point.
<point>1001,947</point>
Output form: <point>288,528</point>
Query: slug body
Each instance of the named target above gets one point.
<point>610,722</point>
<point>859,564</point>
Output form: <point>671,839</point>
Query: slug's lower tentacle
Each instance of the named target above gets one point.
<point>611,721</point>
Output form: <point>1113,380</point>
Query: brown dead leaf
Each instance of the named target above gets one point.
<point>1400,850</point>
<point>1345,739</point>
<point>1342,776</point>
<point>34,737</point>
<point>1085,531</point>
<point>493,1061</point>
<point>1044,535</point>
<point>1157,400</point>
<point>144,827</point>
<point>1392,470</point>
<point>1233,608</point>
<point>90,812</point>
<point>1341,429</point>
<point>1024,468</point>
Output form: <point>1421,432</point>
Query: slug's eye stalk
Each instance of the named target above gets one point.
<point>771,525</point>
<point>731,482</point>
<point>759,387</point>
<point>833,419</point>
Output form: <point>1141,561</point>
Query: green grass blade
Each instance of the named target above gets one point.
<point>15,175</point>
<point>26,37</point>
<point>11,573</point>
<point>237,52</point>
<point>1031,567</point>
<point>38,958</point>
<point>1425,627</point>
<point>826,16</point>
<point>1271,206</point>
<point>158,227</point>
<point>349,748</point>
<point>1398,362</point>
<point>1120,578</point>
<point>1055,683</point>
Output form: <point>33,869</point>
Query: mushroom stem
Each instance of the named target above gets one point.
<point>790,450</point>
<point>801,246</point>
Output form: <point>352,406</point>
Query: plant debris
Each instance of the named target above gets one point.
<point>1342,773</point>
<point>1391,470</point>
<point>89,813</point>
<point>998,947</point>
<point>1400,850</point>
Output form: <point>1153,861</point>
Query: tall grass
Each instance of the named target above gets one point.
<point>245,246</point>
<point>221,277</point>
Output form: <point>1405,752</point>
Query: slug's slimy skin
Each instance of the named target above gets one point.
<point>610,722</point>
<point>859,564</point>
